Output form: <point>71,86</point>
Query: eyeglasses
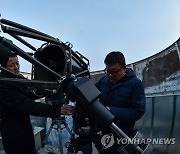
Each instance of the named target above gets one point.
<point>112,72</point>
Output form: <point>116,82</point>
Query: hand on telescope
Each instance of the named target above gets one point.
<point>67,109</point>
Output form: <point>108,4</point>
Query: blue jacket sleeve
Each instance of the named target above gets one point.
<point>136,109</point>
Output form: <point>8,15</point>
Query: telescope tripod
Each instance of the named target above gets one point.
<point>58,122</point>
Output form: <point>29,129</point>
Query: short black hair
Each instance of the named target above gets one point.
<point>5,53</point>
<point>115,57</point>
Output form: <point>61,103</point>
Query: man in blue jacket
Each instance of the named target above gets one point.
<point>123,95</point>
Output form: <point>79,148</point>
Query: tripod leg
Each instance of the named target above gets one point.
<point>67,128</point>
<point>47,135</point>
<point>60,138</point>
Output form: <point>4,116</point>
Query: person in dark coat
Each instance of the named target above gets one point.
<point>122,93</point>
<point>16,108</point>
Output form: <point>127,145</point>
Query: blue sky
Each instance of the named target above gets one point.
<point>138,28</point>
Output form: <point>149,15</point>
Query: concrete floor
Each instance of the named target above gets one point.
<point>53,150</point>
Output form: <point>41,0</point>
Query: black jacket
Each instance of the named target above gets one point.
<point>16,107</point>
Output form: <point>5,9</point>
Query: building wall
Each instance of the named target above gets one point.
<point>159,73</point>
